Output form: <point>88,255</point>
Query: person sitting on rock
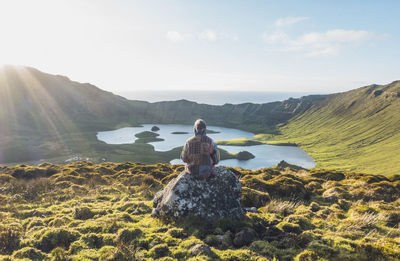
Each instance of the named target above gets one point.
<point>200,153</point>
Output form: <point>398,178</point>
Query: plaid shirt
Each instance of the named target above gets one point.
<point>201,154</point>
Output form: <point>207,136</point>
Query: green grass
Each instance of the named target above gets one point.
<point>352,131</point>
<point>262,136</point>
<point>85,211</point>
<point>239,142</point>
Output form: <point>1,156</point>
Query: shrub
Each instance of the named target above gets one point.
<point>29,253</point>
<point>212,240</point>
<point>159,251</point>
<point>35,222</point>
<point>76,246</point>
<point>307,255</point>
<point>58,237</point>
<point>30,189</point>
<point>10,240</point>
<point>305,238</point>
<point>303,222</point>
<point>227,240</point>
<point>322,249</point>
<point>314,207</point>
<point>108,253</point>
<point>177,233</point>
<point>392,218</point>
<point>286,186</point>
<point>254,198</point>
<point>328,175</point>
<point>93,240</point>
<point>383,190</point>
<point>263,248</point>
<point>59,253</point>
<point>83,213</point>
<point>313,186</point>
<point>127,235</point>
<point>289,227</point>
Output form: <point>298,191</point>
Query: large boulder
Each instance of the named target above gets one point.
<point>212,198</point>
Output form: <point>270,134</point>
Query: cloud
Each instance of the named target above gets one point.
<point>288,21</point>
<point>205,35</point>
<point>174,36</point>
<point>328,43</point>
<point>276,38</point>
<point>208,35</point>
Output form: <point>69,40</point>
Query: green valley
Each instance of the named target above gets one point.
<point>45,116</point>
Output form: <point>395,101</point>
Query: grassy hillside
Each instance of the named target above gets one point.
<point>84,211</point>
<point>355,130</point>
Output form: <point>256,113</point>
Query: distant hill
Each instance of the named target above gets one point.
<point>247,116</point>
<point>45,116</point>
<point>31,100</point>
<point>354,130</point>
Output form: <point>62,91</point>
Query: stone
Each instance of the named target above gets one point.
<point>209,199</point>
<point>243,238</point>
<point>155,128</point>
<point>200,249</point>
<point>252,209</point>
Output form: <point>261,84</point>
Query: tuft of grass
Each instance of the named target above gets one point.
<point>284,208</point>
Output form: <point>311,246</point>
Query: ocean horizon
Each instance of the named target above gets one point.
<point>213,97</point>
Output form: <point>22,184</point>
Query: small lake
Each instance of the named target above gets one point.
<point>265,155</point>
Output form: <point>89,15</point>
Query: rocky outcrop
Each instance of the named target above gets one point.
<point>213,198</point>
<point>155,128</point>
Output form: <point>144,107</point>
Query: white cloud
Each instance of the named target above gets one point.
<point>275,38</point>
<point>288,21</point>
<point>328,43</point>
<point>174,36</point>
<point>208,35</point>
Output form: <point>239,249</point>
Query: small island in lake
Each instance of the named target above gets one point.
<point>212,131</point>
<point>147,136</point>
<point>179,132</point>
<point>155,128</point>
<point>245,155</point>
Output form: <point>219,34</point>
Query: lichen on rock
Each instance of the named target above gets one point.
<point>213,198</point>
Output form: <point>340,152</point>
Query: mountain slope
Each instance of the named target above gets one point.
<point>355,130</point>
<point>36,101</point>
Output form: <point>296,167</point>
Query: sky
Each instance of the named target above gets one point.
<point>226,45</point>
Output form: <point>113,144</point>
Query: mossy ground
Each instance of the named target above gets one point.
<point>85,211</point>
